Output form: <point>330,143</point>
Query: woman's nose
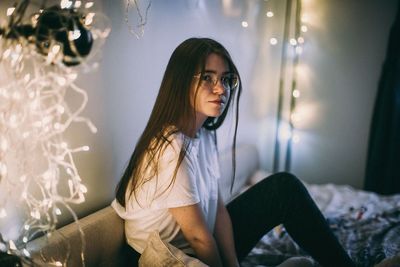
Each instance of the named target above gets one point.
<point>219,88</point>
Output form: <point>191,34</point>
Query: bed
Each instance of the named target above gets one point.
<point>367,225</point>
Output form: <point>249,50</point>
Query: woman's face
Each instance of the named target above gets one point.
<point>211,97</point>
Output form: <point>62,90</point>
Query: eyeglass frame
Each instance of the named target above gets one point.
<point>215,79</point>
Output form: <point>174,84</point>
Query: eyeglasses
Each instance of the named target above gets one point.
<point>229,81</point>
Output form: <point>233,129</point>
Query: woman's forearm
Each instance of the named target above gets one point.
<point>224,236</point>
<point>207,251</point>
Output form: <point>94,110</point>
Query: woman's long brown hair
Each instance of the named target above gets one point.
<point>173,108</point>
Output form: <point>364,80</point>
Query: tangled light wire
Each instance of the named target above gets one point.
<point>141,20</point>
<point>38,174</point>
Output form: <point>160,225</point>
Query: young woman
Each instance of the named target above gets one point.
<point>170,184</point>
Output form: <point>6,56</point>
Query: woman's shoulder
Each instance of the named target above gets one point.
<point>175,141</point>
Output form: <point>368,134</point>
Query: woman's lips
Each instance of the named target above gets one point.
<point>218,102</point>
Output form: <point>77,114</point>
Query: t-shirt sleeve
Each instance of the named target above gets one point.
<point>161,193</point>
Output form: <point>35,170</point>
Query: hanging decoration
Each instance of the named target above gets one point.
<point>39,55</point>
<point>293,42</point>
<point>138,29</point>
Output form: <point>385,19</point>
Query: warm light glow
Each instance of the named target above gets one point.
<point>304,28</point>
<point>10,11</point>
<point>89,4</point>
<point>65,3</point>
<point>293,41</point>
<point>296,93</point>
<point>78,4</point>
<point>58,211</point>
<point>269,14</point>
<point>245,24</point>
<point>300,40</point>
<point>73,35</point>
<point>89,18</point>
<point>55,49</point>
<point>34,115</point>
<point>273,41</point>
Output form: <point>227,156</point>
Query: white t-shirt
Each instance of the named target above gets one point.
<point>196,182</point>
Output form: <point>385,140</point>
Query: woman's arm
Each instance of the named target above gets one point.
<point>194,228</point>
<point>224,236</point>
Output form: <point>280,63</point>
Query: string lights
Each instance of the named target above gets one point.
<point>138,29</point>
<point>288,112</point>
<point>38,174</point>
<point>292,48</point>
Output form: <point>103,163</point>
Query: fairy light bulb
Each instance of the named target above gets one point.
<point>65,4</point>
<point>12,245</point>
<point>296,93</point>
<point>26,252</point>
<point>269,14</point>
<point>78,4</point>
<point>89,4</point>
<point>245,24</point>
<point>89,18</point>
<point>300,40</point>
<point>73,35</point>
<point>58,211</point>
<point>10,11</point>
<point>35,115</point>
<point>293,41</point>
<point>55,49</point>
<point>273,41</point>
<point>304,28</point>
<point>83,188</point>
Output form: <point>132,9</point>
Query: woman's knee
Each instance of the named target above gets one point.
<point>285,180</point>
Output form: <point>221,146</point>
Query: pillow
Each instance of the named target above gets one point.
<point>162,254</point>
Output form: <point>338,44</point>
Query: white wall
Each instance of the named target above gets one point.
<point>344,52</point>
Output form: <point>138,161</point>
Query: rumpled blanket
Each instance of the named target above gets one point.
<point>366,224</point>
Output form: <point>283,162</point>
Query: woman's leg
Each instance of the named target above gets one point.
<point>283,199</point>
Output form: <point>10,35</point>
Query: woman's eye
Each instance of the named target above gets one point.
<point>207,78</point>
<point>225,81</point>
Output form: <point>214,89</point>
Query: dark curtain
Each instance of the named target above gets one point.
<point>383,162</point>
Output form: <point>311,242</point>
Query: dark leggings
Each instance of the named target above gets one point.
<point>280,199</point>
<point>283,199</point>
